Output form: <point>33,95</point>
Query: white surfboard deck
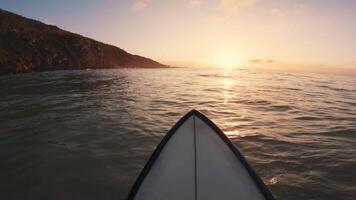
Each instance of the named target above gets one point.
<point>196,161</point>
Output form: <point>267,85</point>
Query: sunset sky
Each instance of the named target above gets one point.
<point>259,33</point>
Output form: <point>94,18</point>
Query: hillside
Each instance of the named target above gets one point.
<point>28,45</point>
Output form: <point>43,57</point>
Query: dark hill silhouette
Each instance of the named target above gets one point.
<point>28,45</point>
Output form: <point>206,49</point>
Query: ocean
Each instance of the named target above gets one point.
<point>87,134</point>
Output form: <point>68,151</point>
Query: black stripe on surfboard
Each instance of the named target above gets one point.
<point>257,180</point>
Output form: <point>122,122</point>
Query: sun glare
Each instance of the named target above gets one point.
<point>227,59</point>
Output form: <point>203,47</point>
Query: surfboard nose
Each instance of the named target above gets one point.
<point>195,160</point>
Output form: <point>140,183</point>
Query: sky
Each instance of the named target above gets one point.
<point>279,34</point>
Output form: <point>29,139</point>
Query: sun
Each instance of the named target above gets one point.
<point>227,59</point>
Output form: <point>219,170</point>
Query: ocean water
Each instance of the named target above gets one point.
<point>87,134</point>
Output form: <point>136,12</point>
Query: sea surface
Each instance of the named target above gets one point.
<point>87,134</point>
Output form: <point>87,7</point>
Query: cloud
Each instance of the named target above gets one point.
<point>261,61</point>
<point>291,10</point>
<point>232,6</point>
<point>227,7</point>
<point>139,5</point>
<point>194,3</point>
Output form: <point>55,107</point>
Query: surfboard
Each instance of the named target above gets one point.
<point>196,161</point>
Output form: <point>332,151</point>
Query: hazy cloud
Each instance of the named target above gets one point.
<point>223,6</point>
<point>232,6</point>
<point>139,5</point>
<point>226,7</point>
<point>261,61</point>
<point>194,3</point>
<point>293,9</point>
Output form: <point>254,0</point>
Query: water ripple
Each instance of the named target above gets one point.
<point>87,134</point>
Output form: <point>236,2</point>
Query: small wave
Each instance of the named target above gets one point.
<point>293,89</point>
<point>308,118</point>
<point>335,88</point>
<point>341,133</point>
<point>349,103</point>
<point>215,76</point>
<point>251,102</point>
<point>213,90</point>
<point>279,108</point>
